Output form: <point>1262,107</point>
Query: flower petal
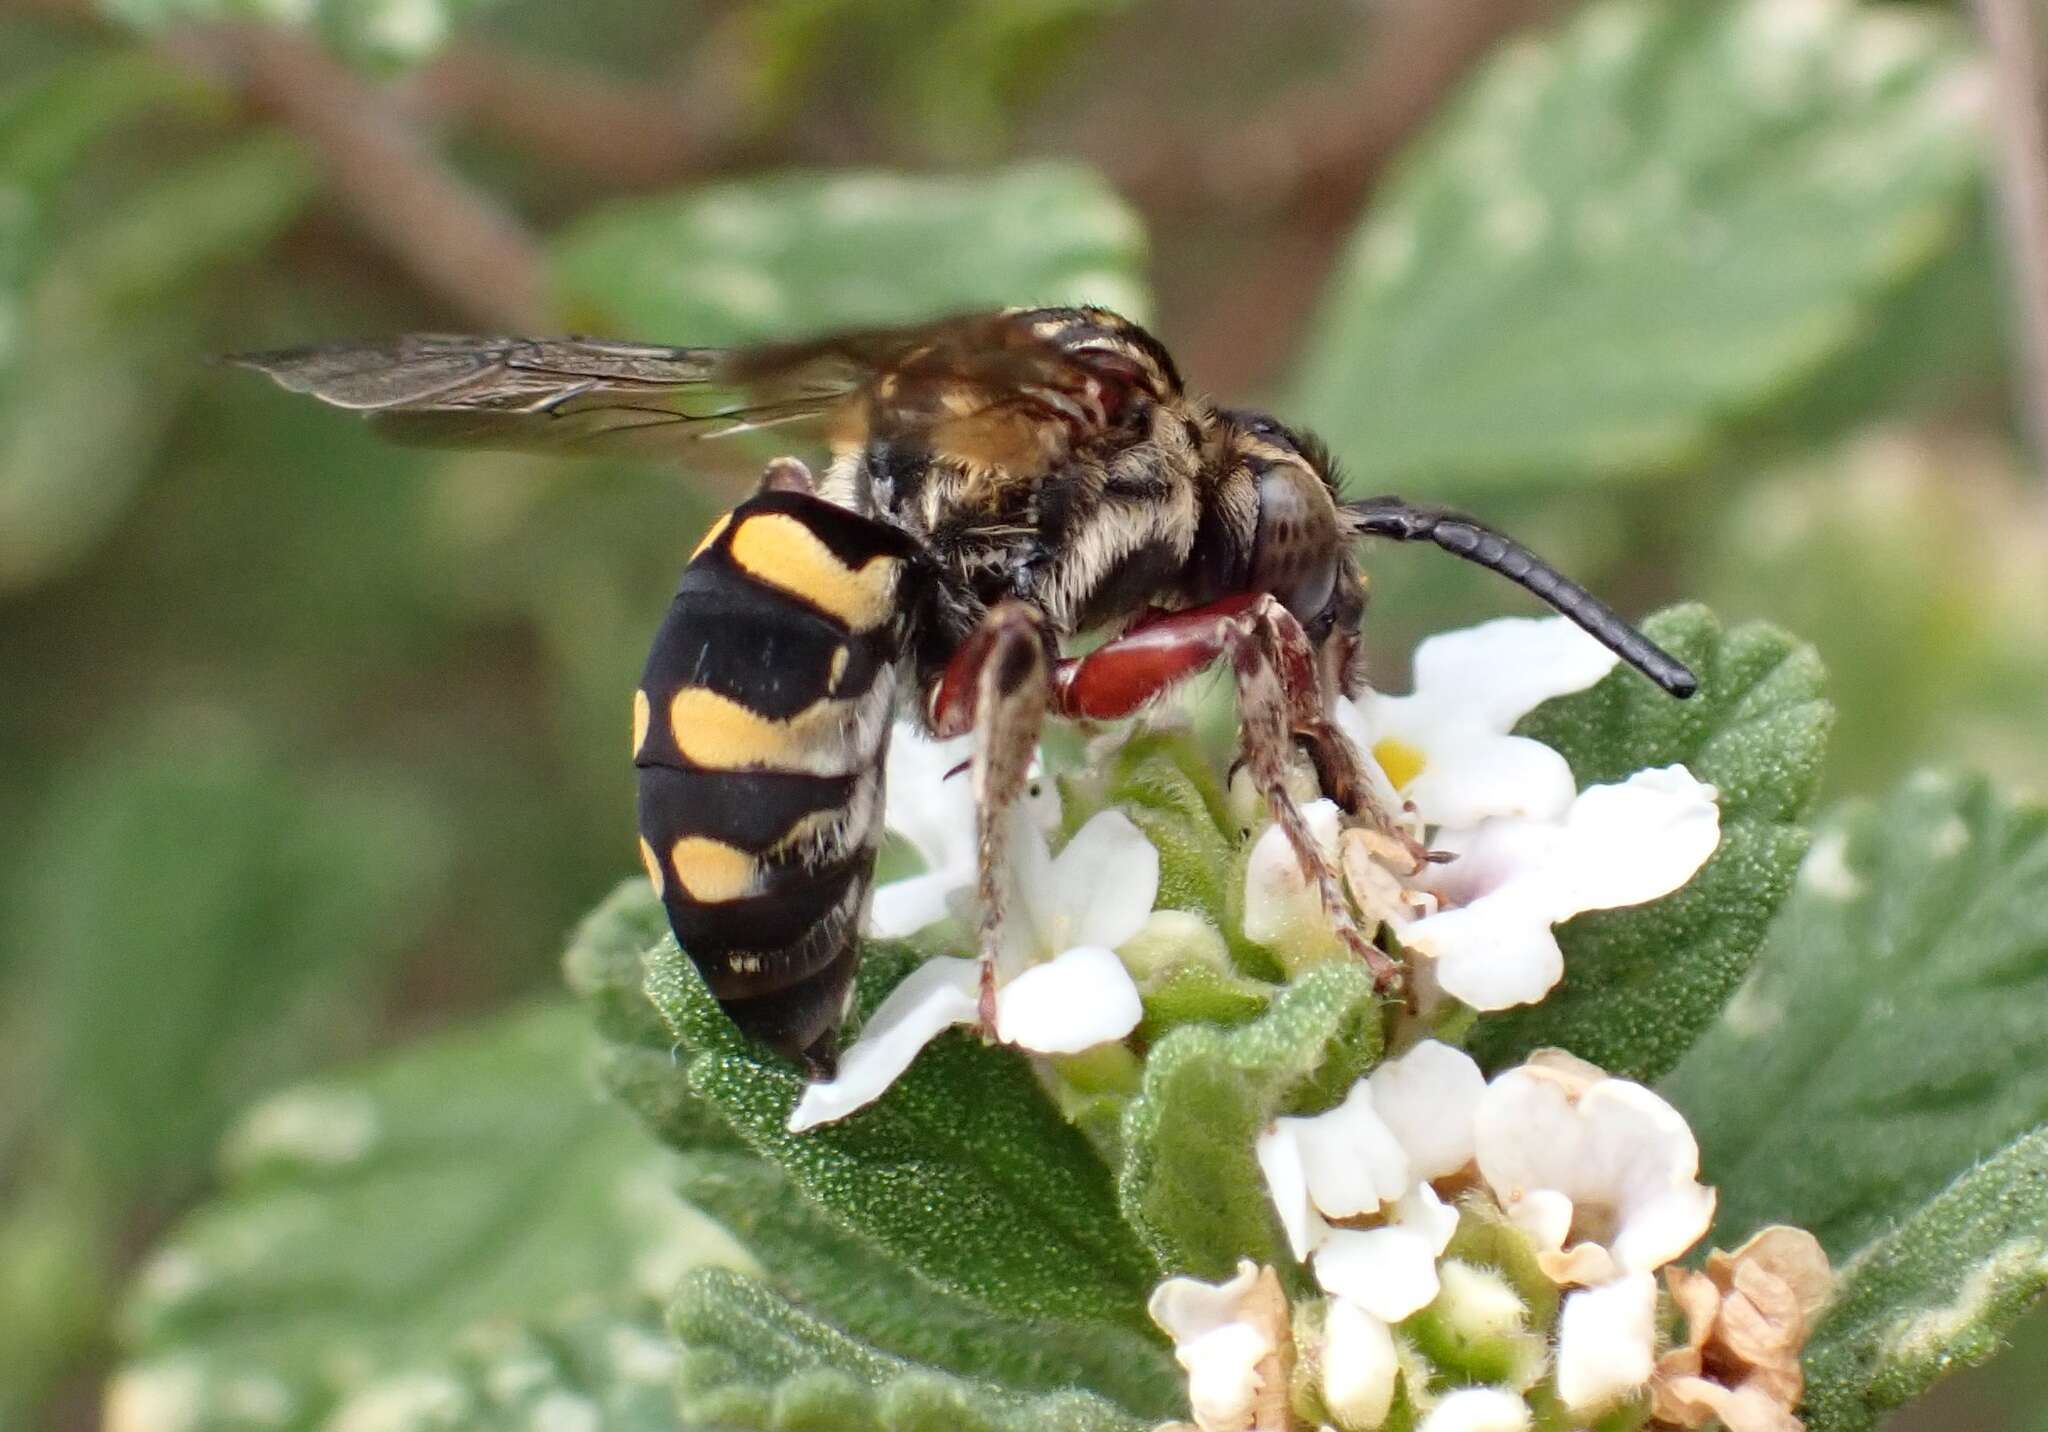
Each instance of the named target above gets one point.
<point>935,996</point>
<point>1606,1342</point>
<point>1478,1409</point>
<point>1628,843</point>
<point>1496,673</point>
<point>903,907</point>
<point>1187,1308</point>
<point>1280,908</point>
<point>1491,776</point>
<point>1103,884</point>
<point>1359,1365</point>
<point>1352,1161</point>
<point>1390,1272</point>
<point>1223,1375</point>
<point>1423,1210</point>
<point>924,805</point>
<point>1080,999</point>
<point>1613,1152</point>
<point>1279,1154</point>
<point>1428,1097</point>
<point>1495,953</point>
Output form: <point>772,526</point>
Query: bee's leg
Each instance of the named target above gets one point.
<point>997,685</point>
<point>1278,698</point>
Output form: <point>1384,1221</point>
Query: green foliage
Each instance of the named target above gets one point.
<point>1891,1035</point>
<point>754,1360</point>
<point>457,1228</point>
<point>796,254</point>
<point>95,320</point>
<point>872,1296</point>
<point>954,71</point>
<point>1935,1292</point>
<point>1630,240</point>
<point>994,1197</point>
<point>226,921</point>
<point>1640,984</point>
<point>1189,1181</point>
<point>306,739</point>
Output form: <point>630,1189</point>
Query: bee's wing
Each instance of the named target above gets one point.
<point>556,394</point>
<point>591,394</point>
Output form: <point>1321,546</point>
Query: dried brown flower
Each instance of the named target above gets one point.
<point>1747,1317</point>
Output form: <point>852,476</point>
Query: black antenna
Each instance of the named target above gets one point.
<point>1476,542</point>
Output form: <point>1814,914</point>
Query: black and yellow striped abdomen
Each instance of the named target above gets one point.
<point>758,730</point>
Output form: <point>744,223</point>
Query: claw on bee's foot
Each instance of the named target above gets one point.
<point>985,1008</point>
<point>1387,973</point>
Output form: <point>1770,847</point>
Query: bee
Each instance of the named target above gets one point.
<point>996,487</point>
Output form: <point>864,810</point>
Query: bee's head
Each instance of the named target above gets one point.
<point>1274,525</point>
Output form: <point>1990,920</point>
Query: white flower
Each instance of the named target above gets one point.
<point>1478,1409</point>
<point>1446,748</point>
<point>1606,1341</point>
<point>1360,1365</point>
<point>1061,987</point>
<point>1368,1158</point>
<point>1282,910</point>
<point>1491,943</point>
<point>930,804</point>
<point>1600,1172</point>
<point>1229,1337</point>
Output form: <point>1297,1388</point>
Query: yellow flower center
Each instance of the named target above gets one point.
<point>1401,761</point>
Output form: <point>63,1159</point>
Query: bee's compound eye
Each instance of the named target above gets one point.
<point>1297,548</point>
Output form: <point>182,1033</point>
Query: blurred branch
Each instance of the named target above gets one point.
<point>1315,159</point>
<point>2012,29</point>
<point>452,237</point>
<point>624,134</point>
<point>1327,144</point>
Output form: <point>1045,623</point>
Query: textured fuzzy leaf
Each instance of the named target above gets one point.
<point>1640,984</point>
<point>431,1231</point>
<point>1663,223</point>
<point>1892,1034</point>
<point>754,1360</point>
<point>964,1171</point>
<point>840,1276</point>
<point>795,254</point>
<point>1189,1181</point>
<point>637,1063</point>
<point>1937,1292</point>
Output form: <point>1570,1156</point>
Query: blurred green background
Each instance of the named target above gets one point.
<point>309,745</point>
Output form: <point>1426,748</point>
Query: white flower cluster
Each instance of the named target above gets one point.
<point>1531,850</point>
<point>1060,986</point>
<point>1593,1178</point>
<point>1598,1174</point>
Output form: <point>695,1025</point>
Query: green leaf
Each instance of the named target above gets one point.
<point>374,33</point>
<point>1892,1034</point>
<point>1190,1182</point>
<point>754,1360</point>
<point>236,904</point>
<point>1937,1292</point>
<point>1640,984</point>
<point>796,254</point>
<point>107,329</point>
<point>964,1171</point>
<point>1628,239</point>
<point>843,1277</point>
<point>431,1231</point>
